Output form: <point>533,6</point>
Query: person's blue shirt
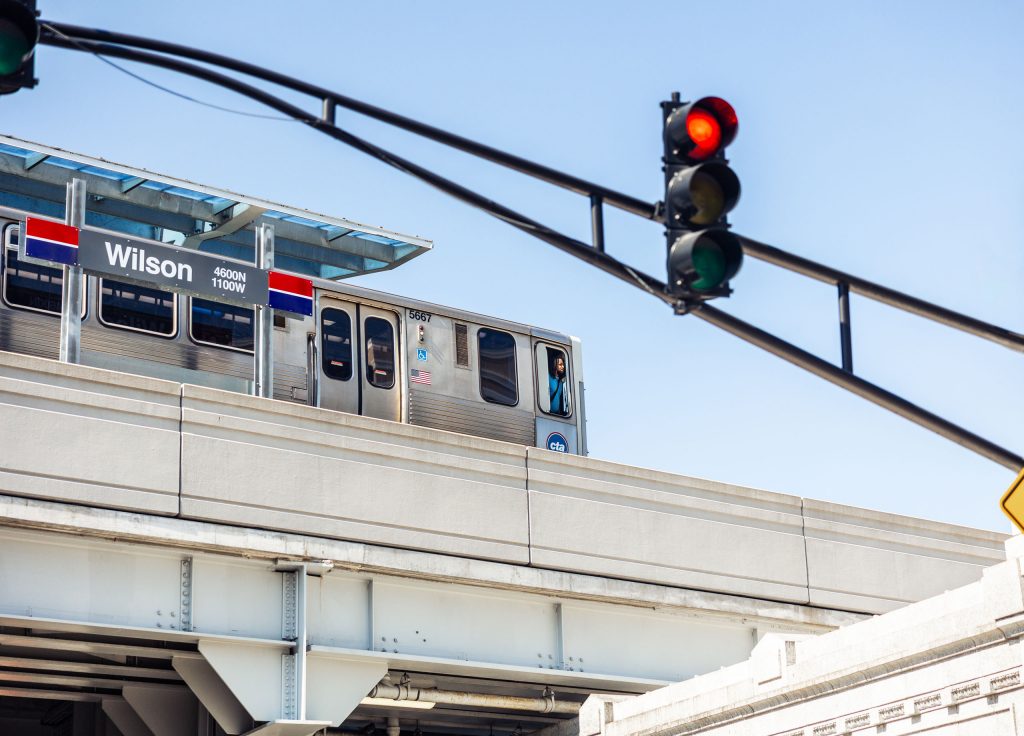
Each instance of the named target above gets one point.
<point>556,389</point>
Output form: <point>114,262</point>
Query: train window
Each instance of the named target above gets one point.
<point>553,372</point>
<point>138,308</point>
<point>380,352</point>
<point>29,286</point>
<point>223,325</point>
<point>498,367</point>
<point>336,344</point>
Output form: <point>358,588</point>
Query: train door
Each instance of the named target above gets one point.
<point>357,363</point>
<point>379,378</point>
<point>556,420</point>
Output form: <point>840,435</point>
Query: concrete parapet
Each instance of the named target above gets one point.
<point>113,440</point>
<point>276,465</point>
<point>864,560</point>
<point>88,436</point>
<point>601,517</point>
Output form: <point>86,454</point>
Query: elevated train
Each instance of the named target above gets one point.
<point>362,351</point>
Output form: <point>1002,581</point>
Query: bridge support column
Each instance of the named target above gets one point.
<point>166,711</point>
<point>293,665</point>
<point>215,696</point>
<point>297,692</point>
<point>122,715</point>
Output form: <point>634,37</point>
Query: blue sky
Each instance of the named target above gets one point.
<point>876,137</point>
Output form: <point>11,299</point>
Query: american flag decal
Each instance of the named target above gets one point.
<point>417,376</point>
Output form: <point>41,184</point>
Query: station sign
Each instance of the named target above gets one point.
<point>164,266</point>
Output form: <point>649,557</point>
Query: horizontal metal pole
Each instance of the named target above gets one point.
<point>574,247</point>
<point>859,386</point>
<point>552,176</point>
<point>819,272</point>
<point>634,205</point>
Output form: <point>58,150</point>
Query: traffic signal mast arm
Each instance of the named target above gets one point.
<point>331,98</point>
<point>532,227</point>
<point>60,35</point>
<point>885,295</point>
<point>860,387</point>
<point>647,210</point>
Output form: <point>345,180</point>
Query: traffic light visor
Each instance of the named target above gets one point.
<point>19,33</point>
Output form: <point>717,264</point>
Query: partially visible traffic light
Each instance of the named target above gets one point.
<point>700,190</point>
<point>19,33</point>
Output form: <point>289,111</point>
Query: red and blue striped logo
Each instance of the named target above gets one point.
<point>51,241</point>
<point>290,293</point>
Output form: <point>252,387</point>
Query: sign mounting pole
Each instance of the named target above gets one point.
<point>73,282</point>
<point>263,353</point>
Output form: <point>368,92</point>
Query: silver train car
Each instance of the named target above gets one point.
<point>362,351</point>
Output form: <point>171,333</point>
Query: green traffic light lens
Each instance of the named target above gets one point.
<point>14,46</point>
<point>702,263</point>
<point>710,265</point>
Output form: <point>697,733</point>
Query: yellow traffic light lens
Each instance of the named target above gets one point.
<point>708,199</point>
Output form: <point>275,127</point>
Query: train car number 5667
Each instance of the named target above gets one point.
<point>419,316</point>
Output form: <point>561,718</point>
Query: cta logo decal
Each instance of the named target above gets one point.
<point>556,443</point>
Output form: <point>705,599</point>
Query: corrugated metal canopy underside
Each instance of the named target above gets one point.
<point>33,177</point>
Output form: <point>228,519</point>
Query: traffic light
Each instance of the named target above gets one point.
<point>700,189</point>
<point>19,33</point>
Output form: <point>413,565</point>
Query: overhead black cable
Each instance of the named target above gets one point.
<point>164,88</point>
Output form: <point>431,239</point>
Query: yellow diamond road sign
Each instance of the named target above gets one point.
<point>1012,502</point>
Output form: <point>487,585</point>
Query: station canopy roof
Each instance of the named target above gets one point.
<point>33,177</point>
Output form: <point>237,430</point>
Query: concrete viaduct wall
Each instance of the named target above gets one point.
<point>113,440</point>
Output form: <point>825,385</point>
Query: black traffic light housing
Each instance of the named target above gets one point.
<point>19,34</point>
<point>700,190</point>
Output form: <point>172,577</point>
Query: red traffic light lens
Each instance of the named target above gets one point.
<point>705,131</point>
<point>700,130</point>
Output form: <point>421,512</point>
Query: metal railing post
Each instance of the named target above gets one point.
<point>597,220</point>
<point>328,112</point>
<point>845,336</point>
